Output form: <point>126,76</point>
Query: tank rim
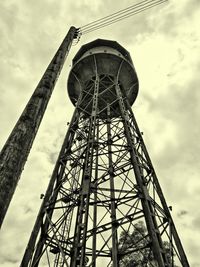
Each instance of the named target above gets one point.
<point>101,42</point>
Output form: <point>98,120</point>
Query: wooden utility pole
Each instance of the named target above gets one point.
<point>16,150</point>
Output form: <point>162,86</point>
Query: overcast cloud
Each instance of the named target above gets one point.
<point>164,45</point>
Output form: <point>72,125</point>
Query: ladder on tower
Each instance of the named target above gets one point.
<point>65,228</point>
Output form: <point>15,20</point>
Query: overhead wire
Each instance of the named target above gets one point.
<point>119,15</point>
<point>112,20</point>
<point>121,18</point>
<point>118,12</point>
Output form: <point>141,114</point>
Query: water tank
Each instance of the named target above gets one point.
<point>113,65</point>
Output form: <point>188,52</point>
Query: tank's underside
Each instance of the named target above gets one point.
<point>106,69</point>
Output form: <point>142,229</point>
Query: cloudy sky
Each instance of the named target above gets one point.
<point>164,45</point>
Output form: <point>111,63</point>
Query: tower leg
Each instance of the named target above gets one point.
<point>33,250</point>
<point>112,192</point>
<point>173,230</point>
<point>157,245</point>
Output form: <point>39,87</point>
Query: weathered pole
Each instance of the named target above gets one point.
<point>16,149</point>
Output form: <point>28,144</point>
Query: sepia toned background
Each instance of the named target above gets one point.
<point>164,45</point>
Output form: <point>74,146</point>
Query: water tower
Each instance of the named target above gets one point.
<point>103,184</point>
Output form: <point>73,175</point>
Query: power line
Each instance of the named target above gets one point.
<point>120,15</point>
<point>121,18</point>
<point>117,13</point>
<point>112,19</point>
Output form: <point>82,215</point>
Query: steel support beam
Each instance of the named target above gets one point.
<point>50,195</point>
<point>112,193</point>
<point>94,238</point>
<point>78,253</point>
<point>145,200</point>
<point>174,233</point>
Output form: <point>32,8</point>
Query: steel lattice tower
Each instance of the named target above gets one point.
<point>103,183</point>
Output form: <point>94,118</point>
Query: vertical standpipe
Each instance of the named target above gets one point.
<point>16,149</point>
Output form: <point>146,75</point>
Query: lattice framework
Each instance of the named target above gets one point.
<point>103,184</point>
